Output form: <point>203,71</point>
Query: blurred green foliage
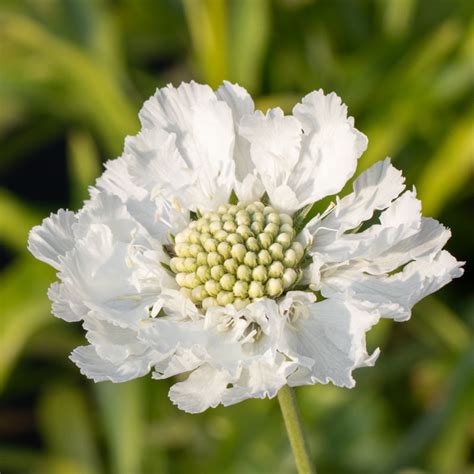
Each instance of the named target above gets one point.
<point>73,74</point>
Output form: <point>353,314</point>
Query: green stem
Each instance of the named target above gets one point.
<point>294,428</point>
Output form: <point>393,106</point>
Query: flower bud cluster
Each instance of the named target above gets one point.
<point>237,254</point>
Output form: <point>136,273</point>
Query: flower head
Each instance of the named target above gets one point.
<point>193,254</point>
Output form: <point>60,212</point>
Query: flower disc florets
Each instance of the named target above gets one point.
<point>237,254</point>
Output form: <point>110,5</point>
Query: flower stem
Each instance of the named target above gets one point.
<point>294,428</point>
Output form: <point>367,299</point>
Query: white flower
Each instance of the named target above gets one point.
<point>189,256</point>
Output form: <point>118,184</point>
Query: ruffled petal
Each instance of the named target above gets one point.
<point>248,185</point>
<point>331,147</point>
<point>52,239</point>
<point>99,370</point>
<point>275,143</point>
<point>203,389</point>
<point>202,132</point>
<point>394,296</point>
<point>327,339</point>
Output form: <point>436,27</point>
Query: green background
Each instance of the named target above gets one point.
<point>73,75</point>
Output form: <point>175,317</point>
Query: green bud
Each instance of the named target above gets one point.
<point>198,294</point>
<point>232,210</point>
<point>194,237</point>
<point>265,240</point>
<point>192,281</point>
<point>226,217</point>
<point>252,244</point>
<point>213,258</point>
<point>272,229</point>
<point>224,249</point>
<point>190,264</point>
<point>241,289</point>
<point>250,259</point>
<point>212,287</point>
<point>274,287</point>
<point>268,210</point>
<point>298,249</point>
<point>217,272</point>
<point>221,235</point>
<point>227,281</point>
<point>182,250</point>
<point>181,279</point>
<point>229,226</point>
<point>244,230</point>
<point>256,227</point>
<point>276,269</point>
<point>235,238</point>
<point>264,257</point>
<point>289,277</point>
<point>273,218</point>
<point>177,264</point>
<point>225,297</point>
<point>231,265</point>
<point>238,252</point>
<point>214,226</point>
<point>244,273</point>
<point>276,251</point>
<point>201,258</point>
<point>194,249</point>
<point>290,258</point>
<point>242,218</point>
<point>210,245</point>
<point>203,273</point>
<point>284,240</point>
<point>288,229</point>
<point>259,217</point>
<point>256,289</point>
<point>286,219</point>
<point>259,273</point>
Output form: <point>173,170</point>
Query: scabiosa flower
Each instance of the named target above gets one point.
<point>192,254</point>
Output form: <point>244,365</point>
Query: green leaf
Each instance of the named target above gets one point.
<point>84,165</point>
<point>16,220</point>
<point>123,420</point>
<point>207,22</point>
<point>249,35</point>
<point>450,168</point>
<point>67,428</point>
<point>25,308</point>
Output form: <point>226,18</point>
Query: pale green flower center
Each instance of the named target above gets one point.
<point>237,254</point>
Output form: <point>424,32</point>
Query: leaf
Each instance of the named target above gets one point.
<point>207,23</point>
<point>25,308</point>
<point>16,220</point>
<point>249,35</point>
<point>67,428</point>
<point>450,168</point>
<point>92,89</point>
<point>84,165</point>
<point>123,420</point>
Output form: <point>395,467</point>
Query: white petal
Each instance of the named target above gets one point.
<point>327,339</point>
<point>394,296</point>
<point>113,343</point>
<point>53,238</point>
<point>97,271</point>
<point>67,304</point>
<point>99,370</point>
<point>201,390</point>
<point>204,132</point>
<point>263,378</point>
<point>331,147</point>
<point>275,142</point>
<point>248,186</point>
<point>116,180</point>
<point>374,189</point>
